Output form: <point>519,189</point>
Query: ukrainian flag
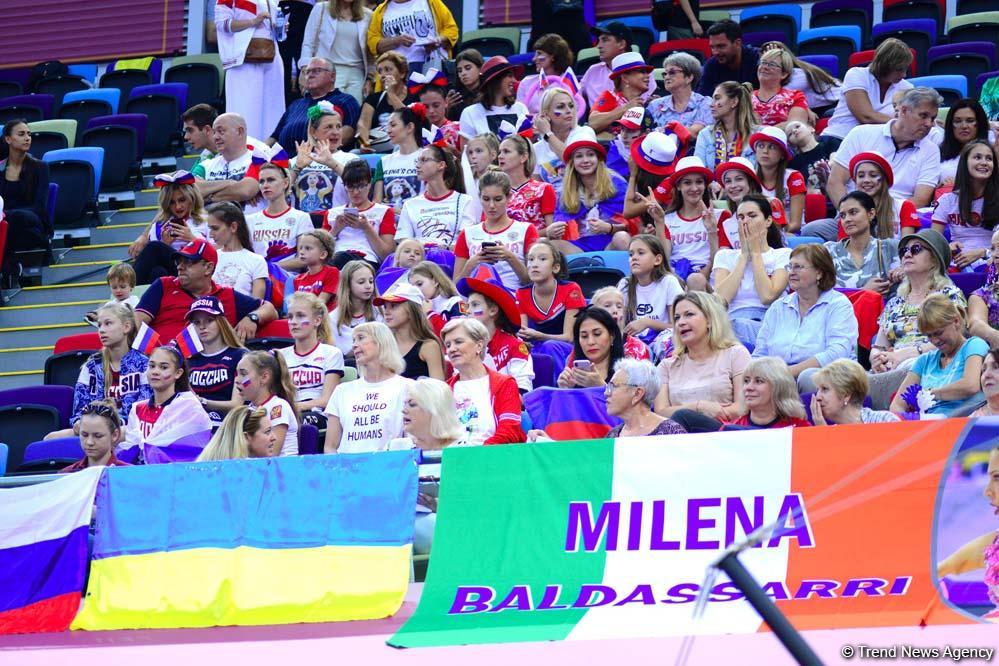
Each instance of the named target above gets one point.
<point>251,542</point>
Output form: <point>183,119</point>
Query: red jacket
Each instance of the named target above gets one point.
<point>507,407</point>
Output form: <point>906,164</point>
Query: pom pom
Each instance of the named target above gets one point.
<point>909,395</point>
<point>420,111</point>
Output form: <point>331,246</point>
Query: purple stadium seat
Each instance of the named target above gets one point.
<point>968,282</point>
<point>308,439</point>
<point>830,63</point>
<point>967,58</point>
<point>137,121</point>
<point>66,449</point>
<point>175,90</point>
<point>544,370</point>
<point>906,30</point>
<point>843,12</point>
<point>43,102</point>
<point>59,397</point>
<point>982,78</point>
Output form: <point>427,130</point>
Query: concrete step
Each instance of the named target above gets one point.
<point>34,378</point>
<point>68,273</point>
<point>24,358</point>
<point>13,335</point>
<point>83,291</point>
<point>46,314</point>
<point>96,252</point>
<point>123,232</point>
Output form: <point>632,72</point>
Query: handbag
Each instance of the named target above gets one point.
<point>260,50</point>
<point>662,14</point>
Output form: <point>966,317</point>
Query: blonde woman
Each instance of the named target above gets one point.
<point>735,122</point>
<point>840,390</point>
<point>558,118</point>
<point>338,31</point>
<point>774,103</point>
<point>246,432</point>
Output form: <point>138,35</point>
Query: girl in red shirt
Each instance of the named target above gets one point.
<point>530,200</point>
<point>778,181</point>
<point>548,307</point>
<point>315,250</point>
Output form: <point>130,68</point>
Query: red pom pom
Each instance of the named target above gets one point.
<point>420,110</point>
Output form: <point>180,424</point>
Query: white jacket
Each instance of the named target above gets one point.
<point>320,31</point>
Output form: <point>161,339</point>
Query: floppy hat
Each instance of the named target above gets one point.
<point>655,152</point>
<point>739,164</point>
<point>582,137</point>
<point>773,135</point>
<point>495,292</point>
<point>400,293</point>
<point>198,250</point>
<point>628,62</point>
<point>873,158</point>
<point>688,166</point>
<point>935,242</point>
<point>494,67</point>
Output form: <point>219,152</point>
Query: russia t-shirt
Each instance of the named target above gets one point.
<point>518,237</point>
<point>276,236</point>
<point>281,413</point>
<point>308,371</point>
<point>325,281</point>
<point>370,414</point>
<point>381,218</point>
<point>436,221</point>
<point>969,233</point>
<point>212,376</point>
<point>689,238</point>
<point>568,296</point>
<point>531,202</point>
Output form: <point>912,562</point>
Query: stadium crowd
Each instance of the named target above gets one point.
<point>430,227</point>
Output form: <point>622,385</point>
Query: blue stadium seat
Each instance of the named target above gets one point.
<point>77,171</point>
<point>795,241</point>
<point>843,12</point>
<point>86,71</point>
<point>110,95</point>
<point>792,11</point>
<point>4,450</point>
<point>952,86</point>
<point>840,41</point>
<point>769,18</point>
<point>644,31</point>
<point>94,156</point>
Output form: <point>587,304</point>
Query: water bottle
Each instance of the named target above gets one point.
<point>280,26</point>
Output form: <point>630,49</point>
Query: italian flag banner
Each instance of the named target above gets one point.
<point>612,538</point>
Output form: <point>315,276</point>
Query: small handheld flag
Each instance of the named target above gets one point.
<point>188,342</point>
<point>146,340</point>
<point>570,81</point>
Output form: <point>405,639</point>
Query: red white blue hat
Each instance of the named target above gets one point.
<point>655,152</point>
<point>690,166</point>
<point>582,137</point>
<point>774,135</point>
<point>628,62</point>
<point>739,163</point>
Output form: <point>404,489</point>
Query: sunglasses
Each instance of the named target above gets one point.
<point>913,249</point>
<point>99,409</point>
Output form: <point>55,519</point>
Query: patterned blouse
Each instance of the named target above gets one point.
<point>899,319</point>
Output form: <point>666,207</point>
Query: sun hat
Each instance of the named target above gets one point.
<point>582,137</point>
<point>688,166</point>
<point>934,241</point>
<point>774,135</point>
<point>495,291</point>
<point>655,152</point>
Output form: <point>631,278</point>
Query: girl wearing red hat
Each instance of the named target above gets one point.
<point>873,176</point>
<point>778,181</point>
<point>497,100</point>
<point>738,179</point>
<point>971,209</point>
<point>592,197</point>
<point>688,225</point>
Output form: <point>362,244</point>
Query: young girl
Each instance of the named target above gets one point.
<point>212,371</point>
<point>497,100</point>
<point>496,307</point>
<point>650,289</point>
<point>262,380</point>
<point>498,241</point>
<point>592,197</point>
<point>319,160</point>
<point>408,253</point>
<point>402,312</point>
<point>276,228</point>
<point>548,307</point>
<point>100,432</point>
<point>481,154</point>
<point>874,177</point>
<point>439,292</point>
<point>738,179</point>
<point>395,178</point>
<point>612,300</point>
<point>315,365</point>
<point>749,279</point>
<point>687,227</point>
<point>437,215</point>
<point>531,201</point>
<point>362,229</point>
<point>117,372</point>
<point>971,209</point>
<point>431,88</point>
<point>778,181</point>
<point>354,302</point>
<point>180,219</point>
<point>239,266</point>
<point>315,249</point>
<point>171,426</point>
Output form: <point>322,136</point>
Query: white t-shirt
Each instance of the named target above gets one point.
<point>281,413</point>
<point>381,217</point>
<point>370,414</point>
<point>475,408</point>
<point>437,221</point>
<point>343,336</point>
<point>655,299</point>
<point>689,238</point>
<point>860,78</point>
<point>284,228</point>
<point>773,260</point>
<point>814,98</point>
<point>156,233</point>
<point>517,236</point>
<point>412,17</point>
<point>217,168</point>
<point>399,181</point>
<point>239,269</point>
<point>476,119</point>
<point>969,233</point>
<point>918,164</point>
<point>308,372</point>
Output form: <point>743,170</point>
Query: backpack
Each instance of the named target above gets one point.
<point>44,70</point>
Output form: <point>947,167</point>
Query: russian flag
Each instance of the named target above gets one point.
<point>570,414</point>
<point>146,340</point>
<point>43,552</point>
<point>570,81</point>
<point>188,342</point>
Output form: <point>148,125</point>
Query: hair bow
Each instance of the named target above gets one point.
<point>434,77</point>
<point>419,110</point>
<point>274,155</point>
<point>323,108</point>
<point>433,136</point>
<point>173,178</point>
<point>524,129</point>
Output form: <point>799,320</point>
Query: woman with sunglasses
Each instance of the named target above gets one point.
<point>925,257</point>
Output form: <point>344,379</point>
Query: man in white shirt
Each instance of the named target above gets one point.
<point>230,176</point>
<point>613,39</point>
<point>904,142</point>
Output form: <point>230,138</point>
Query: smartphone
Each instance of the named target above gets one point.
<point>351,211</point>
<point>486,244</point>
<point>583,365</point>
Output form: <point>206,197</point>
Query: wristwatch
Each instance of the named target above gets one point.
<point>547,136</point>
<point>254,317</point>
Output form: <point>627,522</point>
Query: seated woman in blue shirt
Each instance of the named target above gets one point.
<point>813,326</point>
<point>952,371</point>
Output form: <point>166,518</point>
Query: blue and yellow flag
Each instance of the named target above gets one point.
<point>249,542</point>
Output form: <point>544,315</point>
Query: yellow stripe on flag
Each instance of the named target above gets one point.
<point>204,587</point>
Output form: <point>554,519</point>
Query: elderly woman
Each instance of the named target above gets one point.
<point>952,371</point>
<point>840,389</point>
<point>430,423</point>
<point>245,432</point>
<point>366,414</point>
<point>773,102</point>
<point>704,374</point>
<point>867,91</point>
<point>924,256</point>
<point>557,120</point>
<point>631,394</point>
<point>681,72</point>
<point>813,326</point>
<point>769,394</point>
<point>488,402</point>
<point>319,162</point>
<point>990,385</point>
<point>597,347</point>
